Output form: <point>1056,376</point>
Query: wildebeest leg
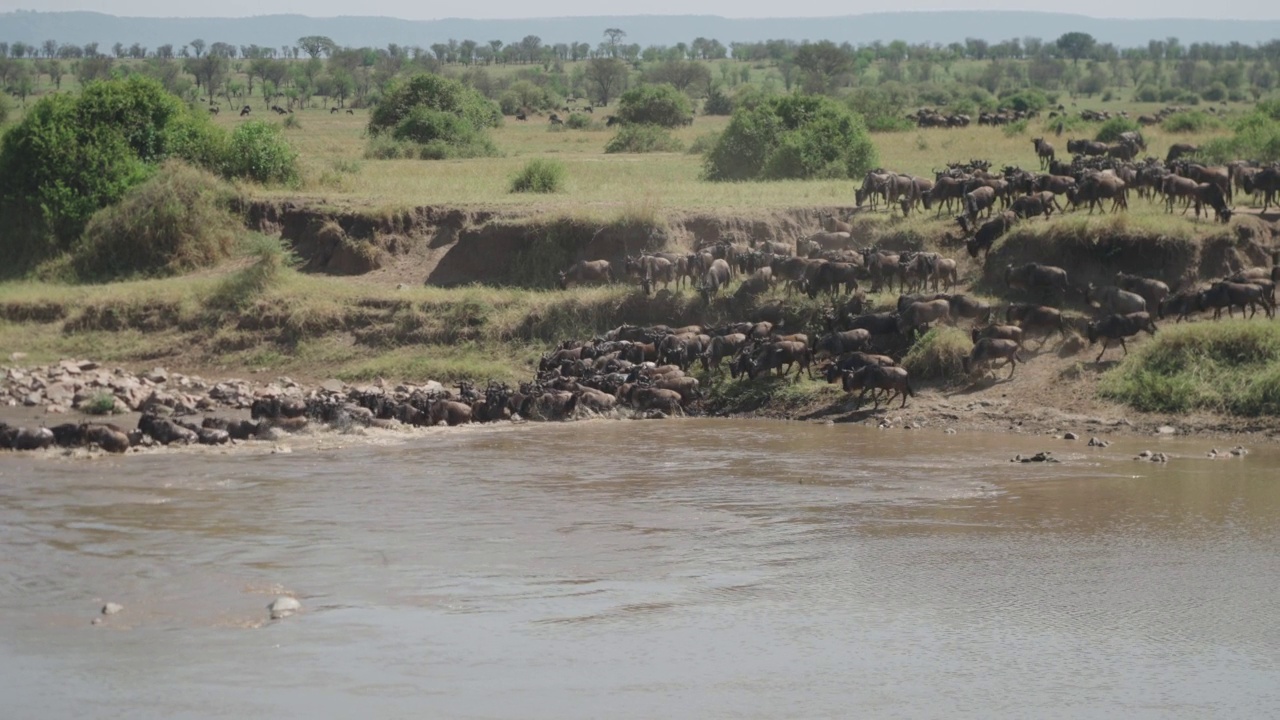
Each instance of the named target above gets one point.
<point>1124,347</point>
<point>1105,345</point>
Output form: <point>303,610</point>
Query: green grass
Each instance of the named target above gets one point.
<point>1231,367</point>
<point>103,403</point>
<point>539,175</point>
<point>938,354</point>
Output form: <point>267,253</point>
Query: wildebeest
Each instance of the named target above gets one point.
<point>1230,295</point>
<point>839,343</point>
<point>1036,277</point>
<point>1114,301</point>
<point>1004,332</point>
<point>893,380</point>
<point>1181,150</point>
<point>721,347</point>
<point>989,232</point>
<point>1114,328</point>
<point>716,277</point>
<point>587,272</point>
<point>1035,204</point>
<point>1093,189</point>
<point>1153,291</point>
<point>919,314</point>
<point>1038,319</point>
<point>988,350</point>
<point>980,199</point>
<point>1086,147</point>
<point>1044,151</point>
<point>964,306</point>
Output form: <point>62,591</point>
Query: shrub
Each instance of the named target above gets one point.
<point>72,155</point>
<point>1232,367</point>
<point>882,111</point>
<point>717,103</point>
<point>438,111</point>
<point>292,123</point>
<point>1190,122</point>
<point>1111,129</point>
<point>385,148</point>
<point>939,354</point>
<point>662,105</point>
<point>1215,92</point>
<point>1014,129</point>
<point>1256,136</point>
<point>1147,94</point>
<point>579,121</point>
<point>796,136</point>
<point>100,403</point>
<point>539,175</point>
<point>642,139</point>
<point>703,143</point>
<point>179,220</point>
<point>258,151</point>
<point>5,108</point>
<point>1028,100</point>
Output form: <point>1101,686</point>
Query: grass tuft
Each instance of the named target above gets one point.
<point>938,354</point>
<point>539,175</point>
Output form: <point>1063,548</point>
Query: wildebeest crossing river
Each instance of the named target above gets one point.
<point>692,568</point>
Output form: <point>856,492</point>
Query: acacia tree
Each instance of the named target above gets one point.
<point>614,35</point>
<point>1076,45</point>
<point>197,46</point>
<point>608,76</point>
<point>315,45</point>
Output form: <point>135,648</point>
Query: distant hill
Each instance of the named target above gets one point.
<point>942,27</point>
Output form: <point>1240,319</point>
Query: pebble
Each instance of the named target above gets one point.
<point>1070,436</point>
<point>112,608</point>
<point>1038,457</point>
<point>1166,430</point>
<point>283,607</point>
<point>950,431</point>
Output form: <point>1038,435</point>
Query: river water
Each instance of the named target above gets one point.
<point>695,568</point>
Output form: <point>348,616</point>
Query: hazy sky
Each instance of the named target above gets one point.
<point>434,9</point>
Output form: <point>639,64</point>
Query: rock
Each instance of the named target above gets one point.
<point>333,386</point>
<point>1095,442</point>
<point>96,621</point>
<point>1070,436</point>
<point>1239,451</point>
<point>1038,457</point>
<point>32,399</point>
<point>112,608</point>
<point>1145,454</point>
<point>1166,430</point>
<point>70,367</point>
<point>283,607</point>
<point>950,431</point>
<point>156,375</point>
<point>17,356</point>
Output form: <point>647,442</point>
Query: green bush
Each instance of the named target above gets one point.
<point>540,176</point>
<point>791,137</point>
<point>939,354</point>
<point>1256,136</point>
<point>642,139</point>
<point>1028,100</point>
<point>661,104</point>
<point>882,111</point>
<point>100,403</point>
<point>1215,92</point>
<point>702,144</point>
<point>292,123</point>
<point>258,151</point>
<point>1146,94</point>
<point>177,221</point>
<point>5,108</point>
<point>1016,128</point>
<point>1190,122</point>
<point>717,103</point>
<point>385,148</point>
<point>434,111</point>
<point>1111,129</point>
<point>1232,367</point>
<point>580,121</point>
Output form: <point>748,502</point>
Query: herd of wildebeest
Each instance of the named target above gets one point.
<point>646,370</point>
<point>648,367</point>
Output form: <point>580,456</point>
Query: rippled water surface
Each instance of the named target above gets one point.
<point>645,570</point>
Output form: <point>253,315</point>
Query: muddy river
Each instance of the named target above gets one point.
<point>700,569</point>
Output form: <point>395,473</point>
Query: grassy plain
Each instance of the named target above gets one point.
<point>335,171</point>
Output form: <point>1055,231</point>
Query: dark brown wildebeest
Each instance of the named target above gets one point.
<point>587,272</point>
<point>963,306</point>
<point>1095,188</point>
<point>721,347</point>
<point>641,398</point>
<point>1153,291</point>
<point>1209,195</point>
<point>989,232</point>
<point>716,277</point>
<point>1230,295</point>
<point>1038,319</point>
<point>919,314</point>
<point>1174,187</point>
<point>1004,332</point>
<point>1036,277</point>
<point>893,380</point>
<point>1114,301</point>
<point>988,350</point>
<point>833,225</point>
<point>1114,328</point>
<point>1056,184</point>
<point>1181,150</point>
<point>1267,182</point>
<point>881,265</point>
<point>1086,147</point>
<point>947,191</point>
<point>831,276</point>
<point>839,343</point>
<point>978,200</point>
<point>873,184</point>
<point>1183,304</point>
<point>1035,204</point>
<point>1044,151</point>
<point>215,109</point>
